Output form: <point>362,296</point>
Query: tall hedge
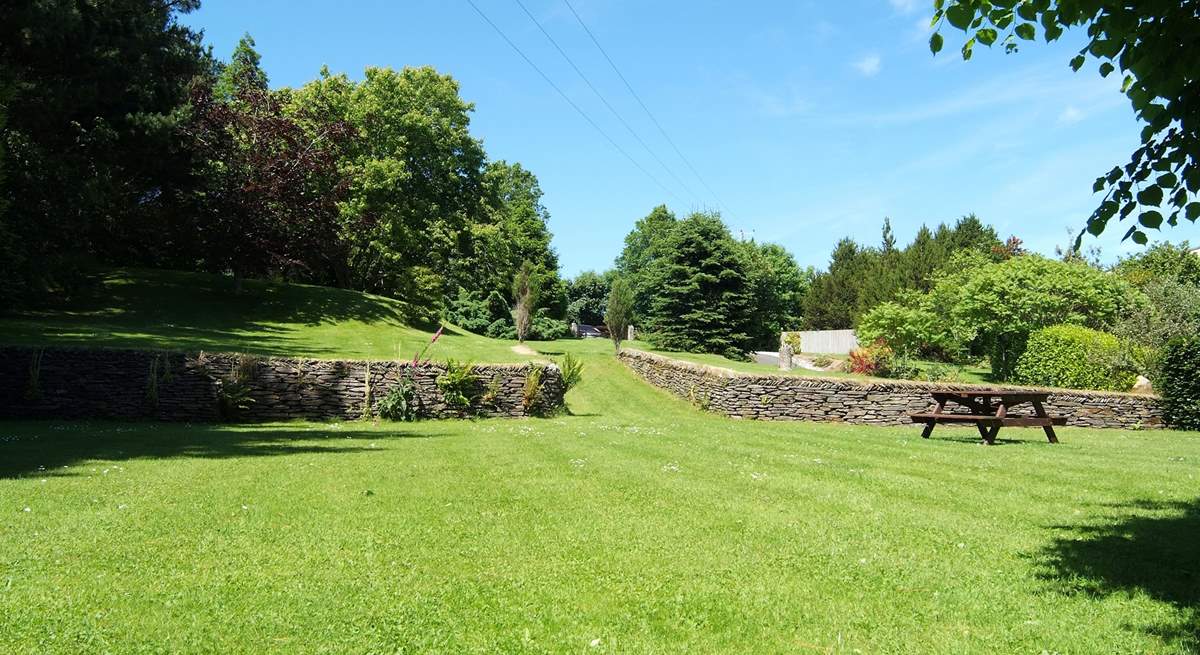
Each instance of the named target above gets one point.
<point>1180,383</point>
<point>1073,357</point>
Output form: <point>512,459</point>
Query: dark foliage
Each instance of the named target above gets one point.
<point>1180,383</point>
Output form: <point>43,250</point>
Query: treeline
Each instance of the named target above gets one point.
<point>860,277</point>
<point>696,288</point>
<point>126,142</point>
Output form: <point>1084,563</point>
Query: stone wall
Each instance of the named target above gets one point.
<point>173,386</point>
<point>786,397</point>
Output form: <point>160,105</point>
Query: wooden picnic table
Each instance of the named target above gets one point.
<point>989,410</point>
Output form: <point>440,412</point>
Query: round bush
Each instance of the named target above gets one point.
<point>1073,357</point>
<point>1180,383</point>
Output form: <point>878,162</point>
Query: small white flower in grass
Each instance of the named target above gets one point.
<point>862,561</point>
<point>578,463</point>
<point>961,545</point>
<point>595,643</point>
<point>245,507</point>
<point>27,509</point>
<point>122,506</point>
<point>670,467</point>
<point>758,476</point>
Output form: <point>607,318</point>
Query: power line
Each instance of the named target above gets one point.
<point>604,100</point>
<point>645,108</point>
<point>569,101</point>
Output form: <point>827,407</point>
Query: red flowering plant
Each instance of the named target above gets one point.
<point>401,402</point>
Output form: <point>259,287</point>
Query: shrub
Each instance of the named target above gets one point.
<point>501,329</point>
<point>572,371</point>
<point>822,361</point>
<point>1074,357</point>
<point>533,384</point>
<point>1180,386</point>
<point>458,383</point>
<point>874,359</point>
<point>938,372</point>
<point>905,329</point>
<point>900,367</point>
<point>400,402</point>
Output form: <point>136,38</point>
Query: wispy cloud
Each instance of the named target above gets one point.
<point>1070,115</point>
<point>869,65</point>
<point>1031,85</point>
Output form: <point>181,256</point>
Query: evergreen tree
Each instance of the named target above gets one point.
<point>702,303</point>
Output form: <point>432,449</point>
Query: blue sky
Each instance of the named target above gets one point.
<point>809,121</point>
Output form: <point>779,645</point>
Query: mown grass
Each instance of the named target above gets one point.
<point>636,524</point>
<point>137,308</point>
<point>969,374</point>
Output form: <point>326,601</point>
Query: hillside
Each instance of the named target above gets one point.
<point>140,308</point>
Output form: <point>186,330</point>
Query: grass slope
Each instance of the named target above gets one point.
<point>638,524</point>
<point>136,308</point>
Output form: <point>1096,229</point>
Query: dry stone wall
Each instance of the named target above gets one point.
<point>174,386</point>
<point>786,397</point>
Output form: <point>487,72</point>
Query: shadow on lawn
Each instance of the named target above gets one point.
<point>1153,548</point>
<point>44,448</point>
<point>182,311</point>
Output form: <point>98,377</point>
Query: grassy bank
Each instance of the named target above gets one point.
<point>636,524</point>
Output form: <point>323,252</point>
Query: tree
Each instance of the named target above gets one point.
<point>587,296</point>
<point>415,179</point>
<point>244,70</point>
<point>618,312</point>
<point>526,286</point>
<point>645,246</point>
<point>94,93</point>
<point>1003,303</point>
<point>833,301</point>
<point>777,287</point>
<point>1154,45</point>
<point>1162,261</point>
<point>702,302</point>
<point>268,200</point>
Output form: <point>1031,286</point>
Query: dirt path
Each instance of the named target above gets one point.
<point>522,349</point>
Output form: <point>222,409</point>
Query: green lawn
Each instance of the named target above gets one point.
<point>637,524</point>
<point>970,374</point>
<point>168,309</point>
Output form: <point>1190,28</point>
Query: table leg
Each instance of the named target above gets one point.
<point>941,404</point>
<point>982,430</point>
<point>1041,412</point>
<point>990,437</point>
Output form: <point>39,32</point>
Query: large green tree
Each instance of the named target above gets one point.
<point>703,302</point>
<point>1154,46</point>
<point>777,286</point>
<point>645,246</point>
<point>95,92</point>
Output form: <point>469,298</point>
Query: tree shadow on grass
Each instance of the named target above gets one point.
<point>1152,548</point>
<point>53,448</point>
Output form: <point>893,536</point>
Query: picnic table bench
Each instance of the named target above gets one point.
<point>988,409</point>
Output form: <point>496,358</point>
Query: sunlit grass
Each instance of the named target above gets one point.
<point>636,524</point>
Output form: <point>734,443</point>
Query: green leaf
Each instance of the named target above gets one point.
<point>936,42</point>
<point>1026,10</point>
<point>1151,195</point>
<point>1026,31</point>
<point>1139,237</point>
<point>1077,63</point>
<point>1167,180</point>
<point>967,49</point>
<point>960,16</point>
<point>986,36</point>
<point>1096,226</point>
<point>1151,219</point>
<point>1127,83</point>
<point>1099,185</point>
<point>1192,212</point>
<point>1106,69</point>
